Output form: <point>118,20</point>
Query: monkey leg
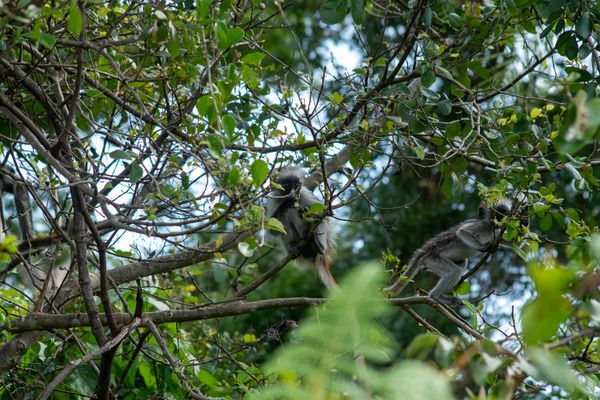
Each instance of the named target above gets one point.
<point>449,274</point>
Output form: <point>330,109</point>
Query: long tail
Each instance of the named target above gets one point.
<point>322,263</point>
<point>403,280</point>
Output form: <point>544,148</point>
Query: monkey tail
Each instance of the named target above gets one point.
<point>403,280</point>
<point>322,263</point>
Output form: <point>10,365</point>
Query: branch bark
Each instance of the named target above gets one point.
<point>46,321</point>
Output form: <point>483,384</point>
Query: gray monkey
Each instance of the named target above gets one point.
<point>443,253</point>
<point>314,240</point>
<point>22,204</point>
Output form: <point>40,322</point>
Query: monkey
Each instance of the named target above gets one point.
<point>21,202</point>
<point>276,332</point>
<point>313,240</point>
<point>442,253</point>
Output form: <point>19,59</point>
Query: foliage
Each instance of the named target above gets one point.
<point>342,351</point>
<point>137,143</point>
<point>340,346</point>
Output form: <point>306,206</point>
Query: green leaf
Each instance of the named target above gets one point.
<point>583,27</point>
<point>316,209</point>
<point>46,40</point>
<point>478,69</point>
<point>123,253</point>
<point>253,58</point>
<point>259,171</point>
<point>359,156</point>
<point>185,180</point>
<point>120,155</point>
<point>573,171</point>
<point>168,189</point>
<point>75,24</point>
<point>249,77</point>
<point>584,51</point>
<point>546,31</point>
<point>561,42</point>
<point>542,317</point>
<point>430,94</point>
<point>547,8</point>
<point>274,224</point>
<point>220,29</point>
<point>245,249</point>
<point>455,20</point>
<point>550,281</point>
<point>443,352</point>
<point>427,17</point>
<point>421,346</point>
<point>147,373</point>
<point>358,11</point>
<point>396,120</point>
<point>202,7</point>
<point>136,172</point>
<point>205,377</point>
<point>553,368</point>
<point>204,104</point>
<point>444,107</point>
<point>444,72</point>
<point>228,37</point>
<point>464,288</point>
<point>234,35</point>
<point>571,48</point>
<point>336,99</point>
<point>546,222</point>
<point>214,145</point>
<point>229,124</point>
<point>233,177</point>
<point>420,152</point>
<point>518,251</point>
<point>333,11</point>
<point>173,47</point>
<point>448,186</point>
<point>453,129</point>
<point>428,78</point>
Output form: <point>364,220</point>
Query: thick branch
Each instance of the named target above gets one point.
<point>44,321</point>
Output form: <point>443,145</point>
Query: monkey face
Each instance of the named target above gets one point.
<point>499,212</point>
<point>494,214</point>
<point>291,186</point>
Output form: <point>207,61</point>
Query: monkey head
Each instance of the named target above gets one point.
<point>500,210</point>
<point>505,208</point>
<point>495,213</point>
<point>290,179</point>
<point>291,186</point>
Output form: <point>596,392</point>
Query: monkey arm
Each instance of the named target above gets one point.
<point>468,237</point>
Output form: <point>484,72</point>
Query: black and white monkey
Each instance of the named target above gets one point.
<point>446,254</point>
<point>314,240</point>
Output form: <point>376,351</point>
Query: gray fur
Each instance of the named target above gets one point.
<point>447,253</point>
<point>314,240</point>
